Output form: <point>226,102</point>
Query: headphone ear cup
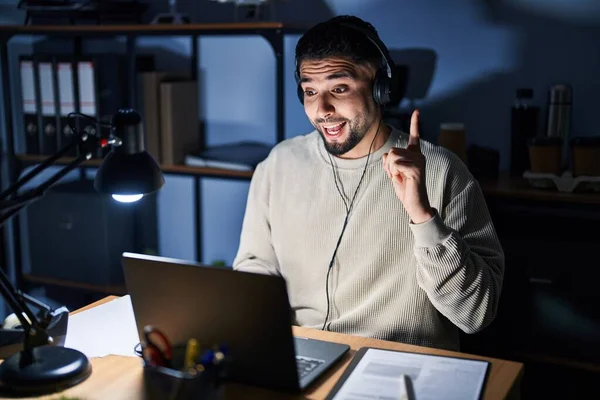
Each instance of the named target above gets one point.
<point>382,88</point>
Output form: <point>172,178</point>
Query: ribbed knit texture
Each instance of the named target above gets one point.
<point>391,279</point>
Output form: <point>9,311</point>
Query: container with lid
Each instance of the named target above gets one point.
<point>545,154</point>
<point>524,126</point>
<point>585,153</point>
<point>453,136</point>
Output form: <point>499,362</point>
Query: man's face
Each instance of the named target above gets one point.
<point>338,101</point>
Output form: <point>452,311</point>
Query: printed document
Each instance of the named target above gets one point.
<point>380,375</point>
<point>106,329</point>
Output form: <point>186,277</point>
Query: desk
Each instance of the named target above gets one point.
<point>550,243</point>
<point>117,377</point>
<point>518,188</point>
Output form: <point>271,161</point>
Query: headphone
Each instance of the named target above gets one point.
<point>384,78</point>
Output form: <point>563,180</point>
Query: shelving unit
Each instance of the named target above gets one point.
<point>14,163</point>
<point>29,159</point>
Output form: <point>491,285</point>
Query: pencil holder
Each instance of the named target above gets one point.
<point>178,383</point>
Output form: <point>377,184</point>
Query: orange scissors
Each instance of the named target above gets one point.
<point>156,348</point>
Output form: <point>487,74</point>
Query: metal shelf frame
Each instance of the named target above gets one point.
<point>273,32</point>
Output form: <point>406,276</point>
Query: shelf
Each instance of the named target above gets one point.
<point>273,32</point>
<point>116,290</point>
<point>169,169</point>
<point>518,188</point>
<point>241,28</point>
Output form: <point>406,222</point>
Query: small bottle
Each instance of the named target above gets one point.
<point>524,126</point>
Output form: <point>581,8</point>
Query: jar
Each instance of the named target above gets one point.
<point>545,155</point>
<point>454,138</point>
<point>585,156</point>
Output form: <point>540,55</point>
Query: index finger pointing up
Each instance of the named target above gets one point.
<point>414,138</point>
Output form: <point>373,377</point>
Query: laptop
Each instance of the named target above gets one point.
<point>250,313</point>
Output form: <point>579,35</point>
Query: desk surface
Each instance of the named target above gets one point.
<point>118,377</point>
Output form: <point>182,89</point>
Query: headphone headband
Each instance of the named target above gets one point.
<point>384,84</point>
<point>383,50</point>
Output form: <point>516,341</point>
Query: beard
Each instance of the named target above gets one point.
<point>357,129</point>
<point>339,148</point>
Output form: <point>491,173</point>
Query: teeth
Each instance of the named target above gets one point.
<point>334,126</point>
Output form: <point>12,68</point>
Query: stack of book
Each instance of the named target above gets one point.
<point>239,156</point>
<point>169,109</point>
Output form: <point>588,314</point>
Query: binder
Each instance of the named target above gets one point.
<point>57,141</point>
<point>108,82</point>
<point>48,133</point>
<point>104,88</point>
<point>150,107</point>
<point>66,95</point>
<point>179,120</point>
<point>58,86</point>
<point>29,106</point>
<point>87,96</point>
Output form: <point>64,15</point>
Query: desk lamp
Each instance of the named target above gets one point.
<point>127,173</point>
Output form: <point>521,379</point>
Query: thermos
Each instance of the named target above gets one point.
<point>560,99</point>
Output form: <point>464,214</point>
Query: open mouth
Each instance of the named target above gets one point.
<point>334,130</point>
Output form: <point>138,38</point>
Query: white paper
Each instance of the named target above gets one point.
<point>106,329</point>
<point>378,376</point>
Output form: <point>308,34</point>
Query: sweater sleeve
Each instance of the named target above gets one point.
<point>460,259</point>
<point>255,253</point>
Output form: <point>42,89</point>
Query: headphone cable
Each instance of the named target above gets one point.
<point>348,210</point>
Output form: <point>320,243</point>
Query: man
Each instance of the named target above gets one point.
<point>377,232</point>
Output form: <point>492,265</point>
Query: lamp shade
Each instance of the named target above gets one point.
<point>128,174</point>
<point>128,170</point>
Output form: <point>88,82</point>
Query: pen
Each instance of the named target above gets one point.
<point>406,387</point>
<point>191,354</point>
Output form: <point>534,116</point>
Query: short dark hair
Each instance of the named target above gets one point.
<point>332,39</point>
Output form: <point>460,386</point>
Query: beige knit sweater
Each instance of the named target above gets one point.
<point>391,279</point>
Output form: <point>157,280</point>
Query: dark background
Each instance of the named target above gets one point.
<point>465,59</point>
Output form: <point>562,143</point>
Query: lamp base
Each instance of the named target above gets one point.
<point>12,340</point>
<point>43,370</point>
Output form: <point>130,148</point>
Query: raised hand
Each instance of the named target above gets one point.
<point>406,170</point>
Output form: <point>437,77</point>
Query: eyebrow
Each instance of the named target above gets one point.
<point>335,75</point>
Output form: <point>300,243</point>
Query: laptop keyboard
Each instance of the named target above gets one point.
<point>306,365</point>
